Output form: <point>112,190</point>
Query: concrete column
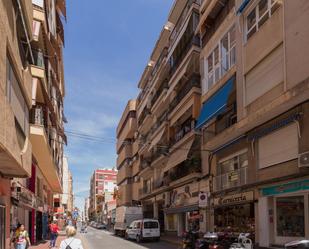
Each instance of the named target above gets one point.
<point>155,210</point>
<point>263,222</point>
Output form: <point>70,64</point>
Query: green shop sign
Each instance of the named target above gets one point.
<point>286,188</point>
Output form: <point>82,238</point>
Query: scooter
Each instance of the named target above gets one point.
<point>209,240</point>
<point>243,242</point>
<point>189,239</point>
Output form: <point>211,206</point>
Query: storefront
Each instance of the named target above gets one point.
<point>284,208</point>
<point>235,213</point>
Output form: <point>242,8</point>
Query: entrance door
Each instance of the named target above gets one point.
<point>161,216</point>
<point>291,217</point>
<point>2,227</point>
<point>39,227</point>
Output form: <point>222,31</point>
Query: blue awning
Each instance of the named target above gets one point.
<point>243,6</point>
<point>216,104</point>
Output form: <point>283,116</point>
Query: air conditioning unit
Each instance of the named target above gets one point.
<point>303,160</point>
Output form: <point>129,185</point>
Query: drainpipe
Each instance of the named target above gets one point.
<point>25,29</point>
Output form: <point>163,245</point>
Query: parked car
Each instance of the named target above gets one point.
<point>143,229</point>
<point>298,244</point>
<point>125,216</point>
<point>101,226</point>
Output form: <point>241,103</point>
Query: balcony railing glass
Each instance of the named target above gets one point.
<point>232,179</point>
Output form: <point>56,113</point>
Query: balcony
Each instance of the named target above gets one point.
<point>146,190</point>
<point>127,130</point>
<point>124,154</point>
<point>125,195</point>
<point>123,173</point>
<point>232,179</point>
<point>15,158</point>
<point>186,128</point>
<point>159,62</point>
<point>41,138</point>
<point>163,88</point>
<point>181,21</point>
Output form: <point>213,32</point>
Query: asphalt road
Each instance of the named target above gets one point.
<point>99,239</point>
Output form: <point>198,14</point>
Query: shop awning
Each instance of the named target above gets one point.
<point>243,6</point>
<point>183,209</point>
<point>179,155</point>
<point>216,104</point>
<point>157,139</point>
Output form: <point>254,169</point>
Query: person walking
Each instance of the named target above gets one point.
<point>54,230</point>
<point>21,239</point>
<point>71,242</point>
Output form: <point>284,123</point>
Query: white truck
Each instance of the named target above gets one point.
<point>125,216</point>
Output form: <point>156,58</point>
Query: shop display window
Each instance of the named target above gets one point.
<point>171,222</point>
<point>236,219</point>
<point>290,216</point>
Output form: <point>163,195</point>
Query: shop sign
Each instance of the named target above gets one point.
<point>234,199</point>
<point>286,188</point>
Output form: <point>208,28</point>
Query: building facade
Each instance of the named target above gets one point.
<point>102,185</point>
<point>31,110</point>
<point>254,117</point>
<point>222,121</point>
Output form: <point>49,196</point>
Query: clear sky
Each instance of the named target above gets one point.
<point>108,44</point>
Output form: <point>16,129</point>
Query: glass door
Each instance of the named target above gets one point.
<point>290,218</point>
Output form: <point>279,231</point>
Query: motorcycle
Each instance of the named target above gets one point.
<point>189,239</point>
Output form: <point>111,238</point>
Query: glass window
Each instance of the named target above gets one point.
<point>251,20</point>
<point>150,224</point>
<point>137,225</point>
<point>259,15</point>
<point>290,216</point>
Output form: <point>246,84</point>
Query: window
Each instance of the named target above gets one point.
<point>151,224</point>
<point>233,163</point>
<point>259,15</point>
<point>271,149</point>
<point>221,59</point>
<point>16,99</point>
<point>290,216</point>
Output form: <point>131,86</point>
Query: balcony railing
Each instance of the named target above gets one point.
<point>185,128</point>
<point>194,81</point>
<point>181,21</point>
<point>144,114</point>
<point>187,167</point>
<point>182,51</point>
<point>158,93</point>
<point>159,61</point>
<point>232,179</point>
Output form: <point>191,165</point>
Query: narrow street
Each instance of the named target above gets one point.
<point>100,239</point>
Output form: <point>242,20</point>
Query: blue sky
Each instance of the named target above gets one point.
<point>108,44</point>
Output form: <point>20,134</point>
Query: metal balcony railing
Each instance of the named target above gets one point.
<point>159,61</point>
<point>158,93</point>
<point>231,179</point>
<point>181,21</point>
<point>194,81</point>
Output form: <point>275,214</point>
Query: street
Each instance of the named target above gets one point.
<point>100,239</point>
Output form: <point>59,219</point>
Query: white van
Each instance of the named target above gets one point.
<point>143,229</point>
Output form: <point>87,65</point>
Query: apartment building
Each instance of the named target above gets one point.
<point>127,160</point>
<point>102,185</point>
<point>162,170</point>
<point>254,117</point>
<point>31,144</point>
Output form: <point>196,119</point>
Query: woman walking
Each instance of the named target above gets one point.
<point>21,237</point>
<point>54,230</point>
<point>70,242</point>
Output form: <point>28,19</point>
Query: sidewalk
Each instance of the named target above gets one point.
<point>45,244</point>
<point>172,239</point>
